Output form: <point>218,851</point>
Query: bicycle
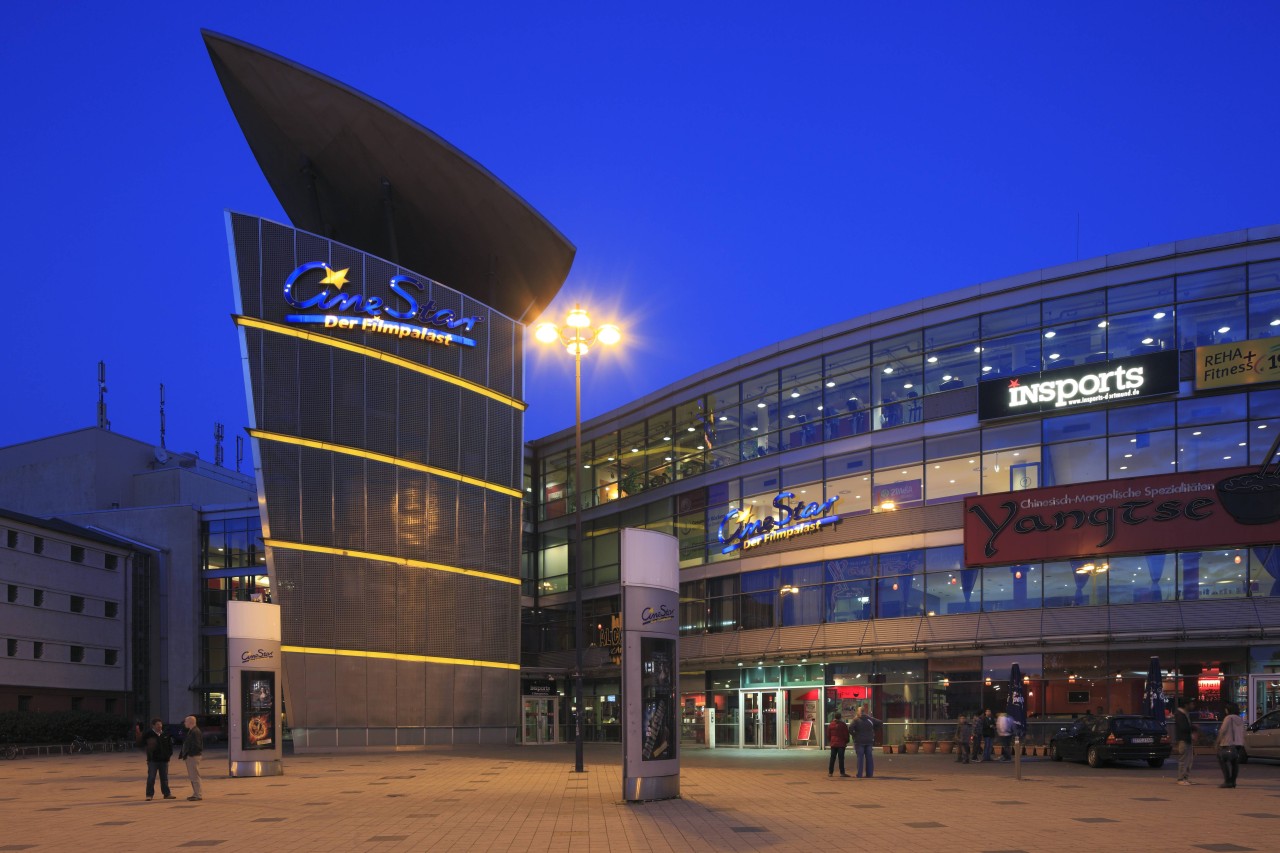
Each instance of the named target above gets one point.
<point>79,744</point>
<point>9,752</point>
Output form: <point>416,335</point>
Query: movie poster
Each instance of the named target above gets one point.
<point>258,709</point>
<point>657,686</point>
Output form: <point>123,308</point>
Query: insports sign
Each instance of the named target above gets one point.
<point>1065,388</point>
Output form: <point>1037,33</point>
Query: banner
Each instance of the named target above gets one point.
<point>1229,365</point>
<point>1065,389</point>
<point>1167,512</point>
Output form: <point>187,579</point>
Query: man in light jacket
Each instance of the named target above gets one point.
<point>192,749</point>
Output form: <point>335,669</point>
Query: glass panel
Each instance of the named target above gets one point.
<point>1207,410</point>
<point>802,404</point>
<point>849,478</point>
<point>1202,285</point>
<point>802,475</point>
<point>1264,314</point>
<point>896,390</point>
<point>1264,276</point>
<point>954,367</point>
<point>846,402</point>
<point>1264,404</point>
<point>1011,435</point>
<point>1140,332</point>
<point>895,349</point>
<point>1212,446</point>
<point>1213,574</point>
<point>1264,571</point>
<point>1078,306</point>
<point>1139,579</point>
<point>1141,454</point>
<point>901,595</point>
<point>1149,417</point>
<point>759,598</point>
<point>849,589</point>
<point>1075,583</point>
<point>1261,440</point>
<point>803,594</point>
<point>1076,462</point>
<point>1011,320</point>
<point>957,332</point>
<point>1144,294</point>
<point>1011,587</point>
<point>1070,427</point>
<point>1011,355</point>
<point>1215,321</point>
<point>1073,343</point>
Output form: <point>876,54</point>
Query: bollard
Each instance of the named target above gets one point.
<point>1017,757</point>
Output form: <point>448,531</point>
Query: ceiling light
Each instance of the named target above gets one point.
<point>831,384</point>
<point>1148,341</point>
<point>1223,330</point>
<point>933,359</point>
<point>795,394</point>
<point>1159,315</point>
<point>888,370</point>
<point>1050,334</point>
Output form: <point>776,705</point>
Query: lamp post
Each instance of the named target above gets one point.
<point>577,336</point>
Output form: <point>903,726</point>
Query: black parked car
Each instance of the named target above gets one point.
<point>1099,740</point>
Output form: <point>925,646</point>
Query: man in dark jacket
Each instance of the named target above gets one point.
<point>192,749</point>
<point>1183,735</point>
<point>988,729</point>
<point>864,738</point>
<point>159,749</point>
<point>838,740</point>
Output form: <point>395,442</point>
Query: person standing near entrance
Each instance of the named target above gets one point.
<point>159,749</point>
<point>1230,742</point>
<point>988,729</point>
<point>964,732</point>
<point>1183,735</point>
<point>838,740</point>
<point>864,741</point>
<point>192,750</point>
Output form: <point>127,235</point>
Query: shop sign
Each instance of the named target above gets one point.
<point>399,314</point>
<point>902,492</point>
<point>1229,365</point>
<point>1125,380</point>
<point>1167,512</point>
<point>538,688</point>
<point>738,530</point>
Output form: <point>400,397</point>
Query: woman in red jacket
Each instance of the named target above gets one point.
<point>837,739</point>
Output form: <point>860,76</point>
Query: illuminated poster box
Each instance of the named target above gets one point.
<point>1245,363</point>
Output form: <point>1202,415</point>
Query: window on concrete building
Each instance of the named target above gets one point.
<point>11,538</point>
<point>38,598</point>
<point>112,562</point>
<point>24,703</point>
<point>77,703</point>
<point>37,650</point>
<point>110,657</point>
<point>111,706</point>
<point>110,609</point>
<point>13,593</point>
<point>11,647</point>
<point>39,545</point>
<point>77,654</point>
<point>77,554</point>
<point>77,604</point>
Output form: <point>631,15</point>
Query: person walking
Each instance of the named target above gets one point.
<point>1004,731</point>
<point>1230,741</point>
<point>192,749</point>
<point>988,734</point>
<point>964,731</point>
<point>838,740</point>
<point>159,749</point>
<point>1183,735</point>
<point>864,741</point>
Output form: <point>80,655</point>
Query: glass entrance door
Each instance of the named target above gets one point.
<point>760,718</point>
<point>1264,694</point>
<point>539,720</point>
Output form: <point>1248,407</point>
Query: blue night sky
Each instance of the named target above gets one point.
<point>730,179</point>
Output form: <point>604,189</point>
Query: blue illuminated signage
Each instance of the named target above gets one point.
<point>399,314</point>
<point>739,531</point>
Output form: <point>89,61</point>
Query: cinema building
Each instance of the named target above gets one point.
<point>1069,469</point>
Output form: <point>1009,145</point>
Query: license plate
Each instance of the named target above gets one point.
<point>1140,740</point>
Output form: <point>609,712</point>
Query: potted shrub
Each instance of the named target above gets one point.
<point>910,746</point>
<point>946,747</point>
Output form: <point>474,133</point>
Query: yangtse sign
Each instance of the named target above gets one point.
<point>1167,512</point>
<point>1068,388</point>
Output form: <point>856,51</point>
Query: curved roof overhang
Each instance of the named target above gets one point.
<point>351,168</point>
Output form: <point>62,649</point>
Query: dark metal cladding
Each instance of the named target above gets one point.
<point>350,168</point>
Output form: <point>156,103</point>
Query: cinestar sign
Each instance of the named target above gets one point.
<point>1067,388</point>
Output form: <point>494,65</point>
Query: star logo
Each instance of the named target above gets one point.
<point>337,279</point>
<point>1013,383</point>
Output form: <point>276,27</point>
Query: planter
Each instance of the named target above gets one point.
<point>946,747</point>
<point>888,750</point>
<point>928,746</point>
<point>911,747</point>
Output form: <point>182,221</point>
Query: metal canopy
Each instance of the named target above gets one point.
<point>351,168</point>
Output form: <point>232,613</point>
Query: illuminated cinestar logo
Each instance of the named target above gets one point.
<point>401,306</point>
<point>738,530</point>
<point>662,613</point>
<point>1090,388</point>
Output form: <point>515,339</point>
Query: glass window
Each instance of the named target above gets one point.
<point>1264,404</point>
<point>1138,579</point>
<point>1011,355</point>
<point>1212,446</point>
<point>1202,285</point>
<point>956,332</point>
<point>1264,571</point>
<point>1207,410</point>
<point>900,595</point>
<point>849,478</point>
<point>1011,587</point>
<point>954,590</point>
<point>1143,294</point>
<point>1140,332</point>
<point>951,368</point>
<point>802,404</point>
<point>1264,314</point>
<point>722,603</point>
<point>1261,440</point>
<point>1078,306</point>
<point>803,594</point>
<point>1264,276</point>
<point>1073,343</point>
<point>846,402</point>
<point>726,421</point>
<point>895,349</point>
<point>952,470</point>
<point>1013,319</point>
<point>849,589</point>
<point>1075,583</point>
<point>1072,427</point>
<point>1214,321</point>
<point>1141,454</point>
<point>759,598</point>
<point>692,432</point>
<point>1011,435</point>
<point>896,389</point>
<point>1213,574</point>
<point>1148,417</point>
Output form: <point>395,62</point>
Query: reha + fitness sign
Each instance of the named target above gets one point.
<point>399,314</point>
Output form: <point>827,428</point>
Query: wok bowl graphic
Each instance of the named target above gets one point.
<point>1252,498</point>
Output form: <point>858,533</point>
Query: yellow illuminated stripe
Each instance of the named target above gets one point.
<point>353,653</point>
<point>369,352</point>
<point>381,457</point>
<point>386,558</point>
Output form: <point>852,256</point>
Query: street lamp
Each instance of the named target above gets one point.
<point>577,336</point>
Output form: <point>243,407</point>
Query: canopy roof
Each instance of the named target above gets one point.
<point>351,168</point>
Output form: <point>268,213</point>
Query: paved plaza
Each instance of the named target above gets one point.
<point>528,798</point>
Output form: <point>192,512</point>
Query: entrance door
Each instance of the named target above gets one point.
<point>539,720</point>
<point>1264,695</point>
<point>762,723</point>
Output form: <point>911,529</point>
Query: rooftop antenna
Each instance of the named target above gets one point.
<point>162,416</point>
<point>239,452</point>
<point>103,423</point>
<point>217,444</point>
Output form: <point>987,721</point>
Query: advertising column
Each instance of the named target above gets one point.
<point>650,665</point>
<point>253,675</point>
